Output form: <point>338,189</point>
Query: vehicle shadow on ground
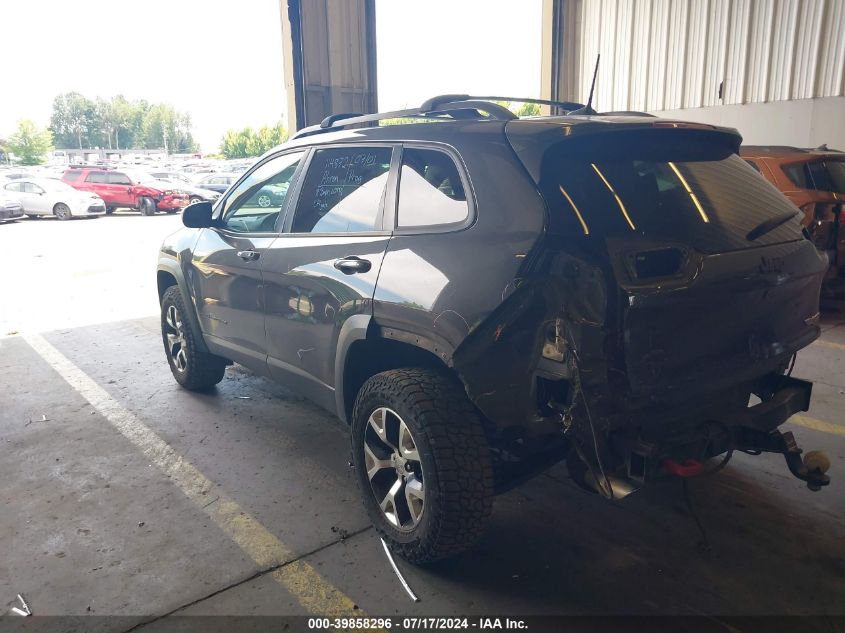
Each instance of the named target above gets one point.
<point>773,548</point>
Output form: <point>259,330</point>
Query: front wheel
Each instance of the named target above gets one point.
<point>194,200</point>
<point>193,369</point>
<point>146,206</point>
<point>62,211</point>
<point>423,463</point>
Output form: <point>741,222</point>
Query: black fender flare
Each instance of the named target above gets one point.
<point>353,329</point>
<point>171,267</point>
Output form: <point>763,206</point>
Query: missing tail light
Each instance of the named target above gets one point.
<point>661,262</point>
<point>554,346</point>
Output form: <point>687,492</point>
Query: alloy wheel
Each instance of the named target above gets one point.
<point>175,332</point>
<point>394,469</point>
<point>264,201</point>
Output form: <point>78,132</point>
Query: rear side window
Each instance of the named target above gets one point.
<point>29,187</point>
<point>72,174</point>
<point>711,205</point>
<point>343,191</point>
<point>97,177</point>
<point>431,191</point>
<point>14,186</point>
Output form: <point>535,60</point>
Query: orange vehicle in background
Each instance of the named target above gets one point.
<point>814,180</point>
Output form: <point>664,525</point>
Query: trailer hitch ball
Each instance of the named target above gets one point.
<point>817,461</point>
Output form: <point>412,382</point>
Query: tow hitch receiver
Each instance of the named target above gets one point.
<point>811,468</point>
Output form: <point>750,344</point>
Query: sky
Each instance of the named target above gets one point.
<point>221,60</point>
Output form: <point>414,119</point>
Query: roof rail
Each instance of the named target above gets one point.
<point>451,106</point>
<point>626,113</point>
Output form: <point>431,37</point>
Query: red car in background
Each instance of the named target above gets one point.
<point>126,189</point>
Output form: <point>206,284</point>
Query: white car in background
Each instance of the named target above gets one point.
<point>45,196</point>
<point>10,208</point>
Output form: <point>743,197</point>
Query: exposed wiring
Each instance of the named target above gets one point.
<point>604,485</point>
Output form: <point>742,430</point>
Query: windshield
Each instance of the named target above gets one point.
<point>710,204</point>
<point>55,185</point>
<point>138,175</point>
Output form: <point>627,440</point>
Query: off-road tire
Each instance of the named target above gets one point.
<point>146,206</point>
<point>454,454</point>
<point>203,370</point>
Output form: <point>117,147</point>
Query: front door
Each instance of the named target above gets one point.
<point>324,268</point>
<point>226,278</point>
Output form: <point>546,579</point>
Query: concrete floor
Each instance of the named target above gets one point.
<point>92,524</point>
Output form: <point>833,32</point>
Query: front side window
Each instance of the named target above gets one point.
<point>116,178</point>
<point>97,177</point>
<point>72,174</point>
<point>257,202</point>
<point>431,191</point>
<point>343,190</point>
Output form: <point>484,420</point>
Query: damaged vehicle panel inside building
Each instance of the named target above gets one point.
<point>620,292</point>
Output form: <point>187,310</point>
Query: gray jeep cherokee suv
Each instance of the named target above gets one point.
<point>481,296</point>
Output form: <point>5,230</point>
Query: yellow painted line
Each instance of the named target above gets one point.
<point>838,346</point>
<point>300,579</point>
<point>818,425</point>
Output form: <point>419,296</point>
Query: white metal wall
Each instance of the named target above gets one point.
<point>672,54</point>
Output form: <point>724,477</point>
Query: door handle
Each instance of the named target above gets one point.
<point>352,264</point>
<point>249,256</point>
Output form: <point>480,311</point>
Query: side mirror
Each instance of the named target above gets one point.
<point>198,215</point>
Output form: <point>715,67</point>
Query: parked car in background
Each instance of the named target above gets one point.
<point>195,193</point>
<point>14,174</point>
<point>814,180</point>
<point>10,207</point>
<point>218,181</point>
<point>270,195</point>
<point>46,196</point>
<point>127,188</point>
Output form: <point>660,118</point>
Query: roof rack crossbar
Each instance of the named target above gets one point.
<point>434,101</point>
<point>426,111</point>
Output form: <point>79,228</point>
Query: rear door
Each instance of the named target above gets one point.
<point>226,274</point>
<point>323,269</point>
<point>97,182</point>
<point>35,200</point>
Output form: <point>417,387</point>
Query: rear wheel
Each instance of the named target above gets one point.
<point>193,369</point>
<point>146,206</point>
<point>109,210</point>
<point>32,216</point>
<point>62,211</point>
<point>194,200</point>
<point>423,463</point>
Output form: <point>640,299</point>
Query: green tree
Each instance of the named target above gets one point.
<point>30,144</point>
<point>247,142</point>
<point>528,109</point>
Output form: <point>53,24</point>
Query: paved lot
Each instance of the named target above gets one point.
<point>126,495</point>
